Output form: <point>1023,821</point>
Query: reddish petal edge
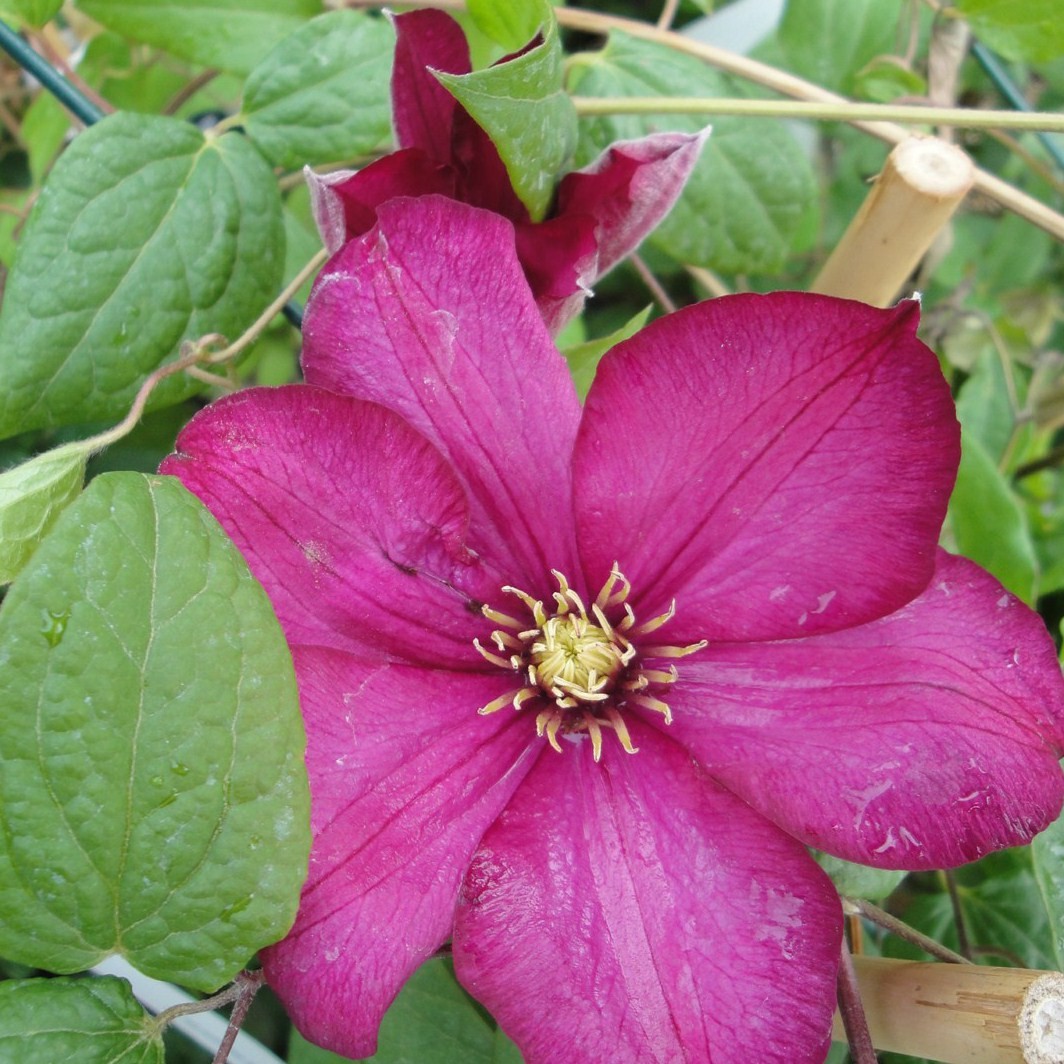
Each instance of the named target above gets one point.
<point>405,778</point>
<point>925,739</point>
<point>629,189</point>
<point>634,911</point>
<point>422,109</point>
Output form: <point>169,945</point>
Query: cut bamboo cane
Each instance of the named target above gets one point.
<point>921,185</point>
<point>962,1013</point>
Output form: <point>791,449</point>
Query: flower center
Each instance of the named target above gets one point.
<point>581,668</point>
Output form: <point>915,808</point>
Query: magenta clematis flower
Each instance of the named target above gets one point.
<point>601,213</point>
<point>580,685</point>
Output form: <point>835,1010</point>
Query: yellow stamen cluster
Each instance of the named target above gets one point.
<point>579,667</point>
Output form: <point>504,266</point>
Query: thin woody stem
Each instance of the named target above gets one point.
<point>963,945</point>
<point>250,983</point>
<point>908,114</point>
<point>262,322</point>
<point>898,927</point>
<point>196,353</point>
<point>668,13</point>
<point>852,1012</point>
<point>653,284</point>
<point>208,1004</point>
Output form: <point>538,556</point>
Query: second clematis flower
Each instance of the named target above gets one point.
<point>581,684</point>
<point>601,214</point>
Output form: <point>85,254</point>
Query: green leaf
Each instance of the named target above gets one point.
<point>322,94</point>
<point>511,23</point>
<point>231,35</point>
<point>583,358</point>
<point>44,128</point>
<point>432,1021</point>
<point>91,1021</point>
<point>152,784</point>
<point>146,234</point>
<point>32,496</point>
<point>1027,30</point>
<point>988,523</point>
<point>859,881</point>
<point>526,113</point>
<point>829,41</point>
<point>742,205</point>
<point>1047,861</point>
<point>885,79</point>
<point>29,12</point>
<point>1004,914</point>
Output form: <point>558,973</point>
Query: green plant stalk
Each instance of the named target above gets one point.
<point>969,118</point>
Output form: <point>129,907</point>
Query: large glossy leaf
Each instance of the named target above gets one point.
<point>741,207</point>
<point>90,1021</point>
<point>152,791</point>
<point>322,94</point>
<point>145,234</point>
<point>530,119</point>
<point>231,35</point>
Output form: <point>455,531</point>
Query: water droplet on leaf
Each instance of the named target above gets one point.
<point>53,625</point>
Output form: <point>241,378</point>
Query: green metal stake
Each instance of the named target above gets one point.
<point>71,98</point>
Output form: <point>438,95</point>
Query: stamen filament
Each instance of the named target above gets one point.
<point>595,731</point>
<point>674,652</point>
<point>656,622</point>
<point>621,730</point>
<point>493,658</point>
<point>655,704</point>
<point>510,698</point>
<point>502,618</point>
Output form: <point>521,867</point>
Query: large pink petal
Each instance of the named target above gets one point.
<point>430,314</point>
<point>629,189</point>
<point>349,518</point>
<point>405,778</point>
<point>634,911</point>
<point>422,109</point>
<point>922,740</point>
<point>780,464</point>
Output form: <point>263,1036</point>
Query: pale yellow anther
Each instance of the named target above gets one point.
<point>523,695</point>
<point>502,618</point>
<point>607,597</point>
<point>505,641</point>
<point>508,699</point>
<point>621,730</point>
<point>660,675</point>
<point>548,723</point>
<point>493,658</point>
<point>656,704</point>
<point>595,731</point>
<point>656,622</point>
<point>674,652</point>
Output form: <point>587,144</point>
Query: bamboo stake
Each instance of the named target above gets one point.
<point>922,183</point>
<point>962,1013</point>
